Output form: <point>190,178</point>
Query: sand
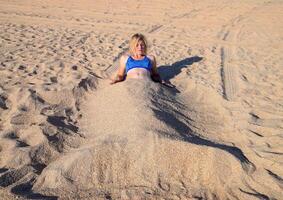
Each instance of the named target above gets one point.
<point>66,133</point>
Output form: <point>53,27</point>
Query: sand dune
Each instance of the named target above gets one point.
<point>66,133</point>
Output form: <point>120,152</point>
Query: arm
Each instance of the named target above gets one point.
<point>154,73</point>
<point>120,76</point>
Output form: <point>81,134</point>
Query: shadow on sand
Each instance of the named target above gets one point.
<point>168,72</point>
<point>171,117</point>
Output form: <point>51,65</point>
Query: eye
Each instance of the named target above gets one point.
<point>140,44</point>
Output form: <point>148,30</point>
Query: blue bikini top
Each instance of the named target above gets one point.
<point>132,63</point>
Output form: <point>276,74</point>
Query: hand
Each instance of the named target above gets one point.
<point>156,78</point>
<point>117,79</point>
<point>113,81</point>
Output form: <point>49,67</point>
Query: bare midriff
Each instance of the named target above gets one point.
<point>138,73</point>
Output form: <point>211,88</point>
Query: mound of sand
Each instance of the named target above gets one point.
<point>141,144</point>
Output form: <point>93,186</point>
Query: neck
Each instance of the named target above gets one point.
<point>138,56</point>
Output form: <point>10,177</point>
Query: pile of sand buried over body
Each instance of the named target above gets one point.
<point>140,144</point>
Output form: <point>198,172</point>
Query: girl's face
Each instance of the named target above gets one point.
<point>140,48</point>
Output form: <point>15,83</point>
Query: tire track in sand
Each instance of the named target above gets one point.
<point>229,72</point>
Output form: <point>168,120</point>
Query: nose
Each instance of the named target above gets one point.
<point>140,46</point>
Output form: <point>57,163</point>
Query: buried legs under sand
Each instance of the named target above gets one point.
<point>140,142</point>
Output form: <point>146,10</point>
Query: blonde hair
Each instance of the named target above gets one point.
<point>134,41</point>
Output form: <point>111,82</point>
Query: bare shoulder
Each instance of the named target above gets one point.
<point>151,57</point>
<point>124,58</point>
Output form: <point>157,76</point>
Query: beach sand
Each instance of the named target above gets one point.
<point>66,133</point>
